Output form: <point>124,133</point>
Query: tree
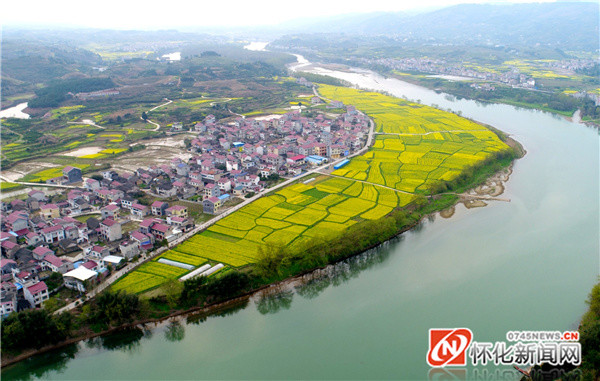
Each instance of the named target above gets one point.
<point>54,281</point>
<point>172,289</point>
<point>30,329</point>
<point>144,115</point>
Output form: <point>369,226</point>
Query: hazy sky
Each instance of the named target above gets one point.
<point>152,14</point>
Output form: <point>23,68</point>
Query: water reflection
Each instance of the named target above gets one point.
<point>175,331</point>
<point>275,299</point>
<point>38,367</point>
<point>125,339</point>
<point>279,297</point>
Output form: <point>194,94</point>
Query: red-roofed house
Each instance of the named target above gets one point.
<point>91,265</point>
<point>160,231</point>
<point>110,230</point>
<point>50,211</point>
<point>110,211</point>
<point>139,210</point>
<point>36,294</point>
<point>9,248</point>
<point>99,251</point>
<point>71,174</point>
<point>177,210</point>
<point>211,205</point>
<point>211,190</point>
<point>17,221</point>
<point>296,160</point>
<point>145,241</point>
<point>41,251</point>
<point>159,207</point>
<point>53,233</point>
<point>53,263</point>
<point>34,238</point>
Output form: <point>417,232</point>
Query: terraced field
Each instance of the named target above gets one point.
<point>293,214</point>
<point>417,145</point>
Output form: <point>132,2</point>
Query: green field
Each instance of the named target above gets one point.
<point>147,276</point>
<point>8,186</point>
<point>417,146</point>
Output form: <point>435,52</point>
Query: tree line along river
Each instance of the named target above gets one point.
<point>524,265</point>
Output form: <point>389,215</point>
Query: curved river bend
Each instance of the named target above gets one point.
<point>524,265</point>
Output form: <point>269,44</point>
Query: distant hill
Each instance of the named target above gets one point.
<point>568,25</point>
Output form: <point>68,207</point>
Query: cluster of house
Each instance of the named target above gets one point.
<point>39,236</point>
<point>235,156</point>
<point>436,66</point>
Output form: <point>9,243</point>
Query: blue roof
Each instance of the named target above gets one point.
<point>224,197</point>
<point>341,164</point>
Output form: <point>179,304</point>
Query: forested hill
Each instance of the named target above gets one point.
<point>567,25</point>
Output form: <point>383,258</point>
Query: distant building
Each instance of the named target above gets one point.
<point>139,210</point>
<point>110,211</point>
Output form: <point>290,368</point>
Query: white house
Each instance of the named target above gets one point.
<point>75,279</point>
<point>36,294</point>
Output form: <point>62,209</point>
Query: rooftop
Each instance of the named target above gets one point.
<point>81,273</point>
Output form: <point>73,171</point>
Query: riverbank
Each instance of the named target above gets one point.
<point>436,204</point>
<point>449,87</point>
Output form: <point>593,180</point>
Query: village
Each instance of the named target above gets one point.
<point>61,245</point>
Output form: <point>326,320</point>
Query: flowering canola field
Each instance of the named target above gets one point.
<point>416,145</point>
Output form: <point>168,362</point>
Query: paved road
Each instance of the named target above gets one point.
<point>154,108</point>
<point>426,133</point>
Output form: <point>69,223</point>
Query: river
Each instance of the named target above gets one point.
<point>524,265</point>
<point>15,112</point>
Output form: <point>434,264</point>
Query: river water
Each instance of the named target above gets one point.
<point>527,264</point>
<point>15,112</point>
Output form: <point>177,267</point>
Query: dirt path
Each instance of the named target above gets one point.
<point>424,133</point>
<point>39,184</point>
